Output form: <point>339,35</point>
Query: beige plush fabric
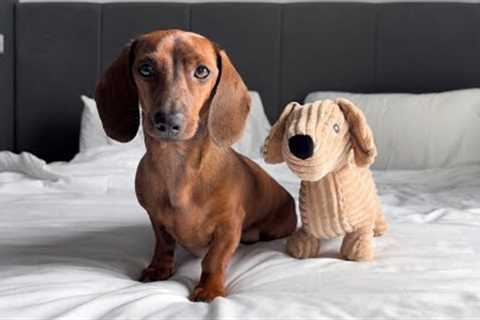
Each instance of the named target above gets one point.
<point>338,196</point>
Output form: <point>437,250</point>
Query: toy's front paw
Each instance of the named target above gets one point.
<point>157,273</point>
<point>207,293</point>
<point>302,245</point>
<point>381,225</point>
<point>358,246</point>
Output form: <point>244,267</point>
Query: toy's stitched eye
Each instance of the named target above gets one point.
<point>201,72</point>
<point>336,128</point>
<point>146,70</point>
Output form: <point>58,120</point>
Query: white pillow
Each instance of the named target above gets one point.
<point>256,129</point>
<point>419,131</point>
<point>93,135</point>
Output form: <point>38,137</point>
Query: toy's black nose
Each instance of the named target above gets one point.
<point>301,146</point>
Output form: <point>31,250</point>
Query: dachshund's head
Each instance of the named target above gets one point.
<point>182,82</point>
<point>317,138</point>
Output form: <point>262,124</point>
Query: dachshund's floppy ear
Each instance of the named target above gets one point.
<point>272,148</point>
<point>230,105</point>
<point>117,98</point>
<point>362,137</point>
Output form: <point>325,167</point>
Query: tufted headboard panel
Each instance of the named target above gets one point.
<point>7,74</point>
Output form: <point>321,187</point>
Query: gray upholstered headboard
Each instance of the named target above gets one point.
<point>283,51</point>
<point>7,75</point>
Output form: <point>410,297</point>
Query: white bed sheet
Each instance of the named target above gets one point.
<point>73,240</point>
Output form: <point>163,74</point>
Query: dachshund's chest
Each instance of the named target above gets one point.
<point>189,223</point>
<point>189,228</point>
<point>180,210</point>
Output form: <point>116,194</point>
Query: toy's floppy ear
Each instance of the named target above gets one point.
<point>272,148</point>
<point>117,98</point>
<point>230,105</point>
<point>362,137</point>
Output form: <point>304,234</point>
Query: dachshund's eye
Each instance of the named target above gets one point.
<point>146,70</point>
<point>336,128</point>
<point>201,72</point>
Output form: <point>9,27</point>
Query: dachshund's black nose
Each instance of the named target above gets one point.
<point>169,125</point>
<point>301,146</point>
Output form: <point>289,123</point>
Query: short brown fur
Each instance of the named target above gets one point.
<point>196,189</point>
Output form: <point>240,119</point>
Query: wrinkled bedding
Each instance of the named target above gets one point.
<point>73,240</point>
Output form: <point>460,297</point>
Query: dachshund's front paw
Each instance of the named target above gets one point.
<point>157,273</point>
<point>207,293</point>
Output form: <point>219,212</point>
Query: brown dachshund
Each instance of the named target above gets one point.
<point>196,189</point>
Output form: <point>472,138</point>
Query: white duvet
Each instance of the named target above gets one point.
<point>73,240</point>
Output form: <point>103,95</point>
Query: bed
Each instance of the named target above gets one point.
<point>73,239</point>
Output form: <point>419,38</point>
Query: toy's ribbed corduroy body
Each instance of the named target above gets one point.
<point>330,147</point>
<point>339,203</point>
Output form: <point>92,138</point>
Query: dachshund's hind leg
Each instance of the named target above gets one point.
<point>279,223</point>
<point>250,236</point>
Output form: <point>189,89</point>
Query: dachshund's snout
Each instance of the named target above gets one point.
<point>301,146</point>
<point>168,125</point>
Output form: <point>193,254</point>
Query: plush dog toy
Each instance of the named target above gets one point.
<point>330,147</point>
